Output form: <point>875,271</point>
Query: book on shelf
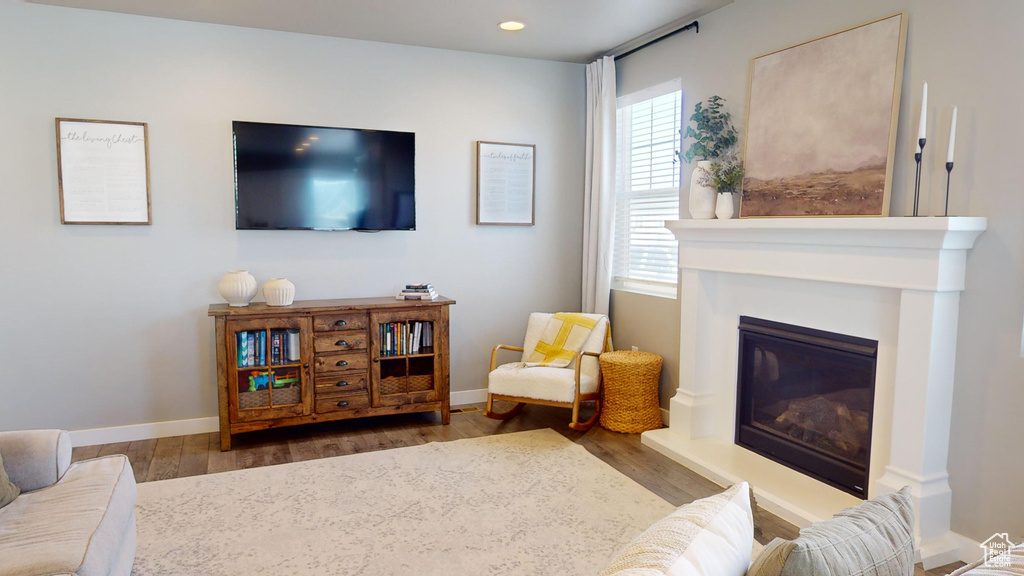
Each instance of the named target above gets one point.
<point>261,348</point>
<point>243,349</point>
<point>419,287</point>
<point>294,348</point>
<point>406,295</point>
<point>275,348</point>
<point>251,349</point>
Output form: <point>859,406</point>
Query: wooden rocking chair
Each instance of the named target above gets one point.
<point>565,387</point>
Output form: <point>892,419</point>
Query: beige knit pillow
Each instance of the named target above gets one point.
<point>875,538</point>
<point>710,536</point>
<point>8,491</point>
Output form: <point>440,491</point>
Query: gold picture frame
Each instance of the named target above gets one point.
<point>821,124</point>
<point>103,172</point>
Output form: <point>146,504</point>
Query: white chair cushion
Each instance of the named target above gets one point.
<point>77,526</point>
<point>539,382</point>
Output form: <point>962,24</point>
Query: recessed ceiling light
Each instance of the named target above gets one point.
<point>512,26</point>
<point>300,149</point>
<point>314,137</point>
<point>305,143</point>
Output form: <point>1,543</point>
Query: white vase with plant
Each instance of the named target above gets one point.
<point>725,175</point>
<point>713,136</point>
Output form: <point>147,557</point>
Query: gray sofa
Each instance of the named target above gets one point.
<point>70,518</point>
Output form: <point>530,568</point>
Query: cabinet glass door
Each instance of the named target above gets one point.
<point>406,367</point>
<point>268,368</point>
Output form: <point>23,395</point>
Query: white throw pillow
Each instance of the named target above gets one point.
<point>712,536</point>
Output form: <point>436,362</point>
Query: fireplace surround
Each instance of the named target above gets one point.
<point>893,280</point>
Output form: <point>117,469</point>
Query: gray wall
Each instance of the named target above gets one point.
<point>651,323</point>
<point>970,53</point>
<point>107,325</point>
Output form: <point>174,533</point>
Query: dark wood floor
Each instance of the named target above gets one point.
<point>181,456</point>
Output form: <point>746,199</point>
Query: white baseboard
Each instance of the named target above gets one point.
<point>461,397</point>
<point>94,436</point>
<point>967,550</point>
<point>664,416</point>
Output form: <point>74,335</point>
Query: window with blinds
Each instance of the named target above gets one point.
<point>647,190</point>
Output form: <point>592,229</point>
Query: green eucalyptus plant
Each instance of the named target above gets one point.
<point>713,134</point>
<point>725,173</point>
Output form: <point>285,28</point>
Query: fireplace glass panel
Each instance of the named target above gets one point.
<point>805,400</point>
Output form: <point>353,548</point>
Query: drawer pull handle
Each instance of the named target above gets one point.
<point>341,343</point>
<point>343,403</point>
<point>341,323</point>
<point>342,383</point>
<point>341,363</point>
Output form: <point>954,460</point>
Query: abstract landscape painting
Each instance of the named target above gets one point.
<point>821,125</point>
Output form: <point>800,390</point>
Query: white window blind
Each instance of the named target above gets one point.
<point>647,191</point>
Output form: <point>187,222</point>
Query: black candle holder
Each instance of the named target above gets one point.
<point>949,170</point>
<point>917,179</point>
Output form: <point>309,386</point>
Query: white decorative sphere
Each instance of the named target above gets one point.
<point>279,292</point>
<point>238,287</point>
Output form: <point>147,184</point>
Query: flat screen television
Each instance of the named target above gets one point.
<point>315,178</point>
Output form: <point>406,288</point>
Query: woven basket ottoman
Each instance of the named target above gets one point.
<point>630,391</point>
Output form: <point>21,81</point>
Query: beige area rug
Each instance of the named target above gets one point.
<point>524,503</point>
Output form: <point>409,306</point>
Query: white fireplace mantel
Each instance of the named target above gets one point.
<point>895,280</point>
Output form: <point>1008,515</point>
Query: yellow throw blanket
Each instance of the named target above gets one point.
<point>563,338</point>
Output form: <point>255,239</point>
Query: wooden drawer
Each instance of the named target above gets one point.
<point>342,403</point>
<point>339,341</point>
<point>340,362</point>
<point>333,384</point>
<point>340,321</point>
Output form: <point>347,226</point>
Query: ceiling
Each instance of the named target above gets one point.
<point>565,30</point>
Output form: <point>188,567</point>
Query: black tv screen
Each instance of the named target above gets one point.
<point>314,178</point>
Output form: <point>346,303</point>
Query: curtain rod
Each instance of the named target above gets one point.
<point>695,25</point>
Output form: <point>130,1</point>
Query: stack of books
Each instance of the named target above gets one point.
<point>417,292</point>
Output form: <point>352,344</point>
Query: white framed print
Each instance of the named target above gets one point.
<point>505,183</point>
<point>103,172</point>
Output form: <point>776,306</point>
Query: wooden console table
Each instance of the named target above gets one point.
<point>322,360</point>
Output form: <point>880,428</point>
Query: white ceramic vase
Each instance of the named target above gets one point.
<point>238,287</point>
<point>702,198</point>
<point>726,206</point>
<point>279,292</point>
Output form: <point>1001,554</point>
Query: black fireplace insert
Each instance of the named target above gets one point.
<point>805,399</point>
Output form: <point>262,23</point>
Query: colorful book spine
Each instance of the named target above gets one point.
<point>261,348</point>
<point>251,349</point>
<point>275,348</point>
<point>243,349</point>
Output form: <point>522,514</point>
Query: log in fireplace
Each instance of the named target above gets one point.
<point>805,399</point>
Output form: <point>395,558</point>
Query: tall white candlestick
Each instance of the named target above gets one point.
<point>952,137</point>
<point>922,125</point>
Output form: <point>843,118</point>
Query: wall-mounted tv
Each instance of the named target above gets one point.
<point>315,178</point>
